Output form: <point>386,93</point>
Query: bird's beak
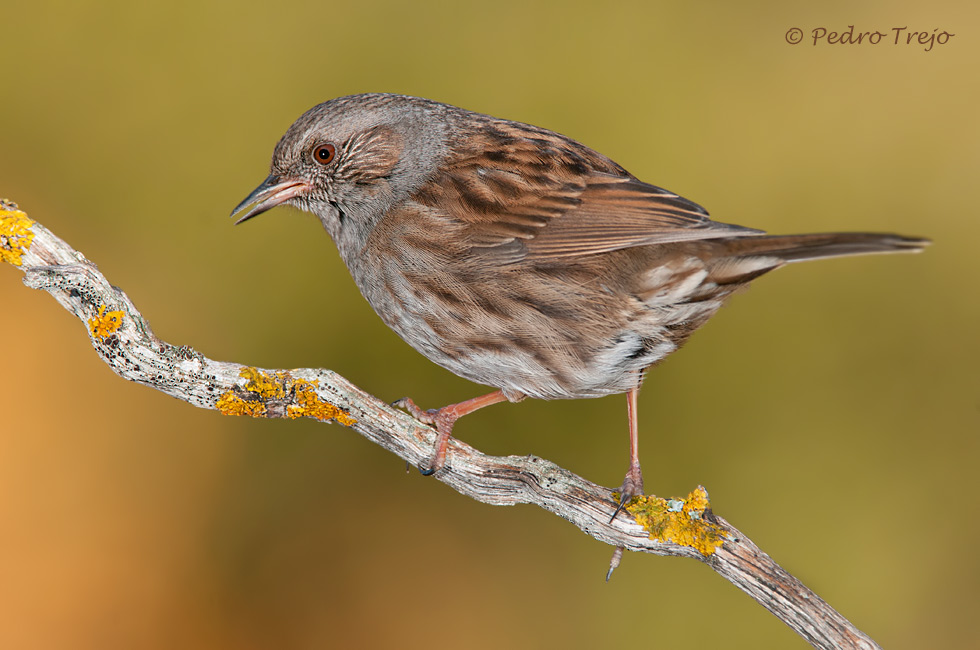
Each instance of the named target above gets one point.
<point>269,194</point>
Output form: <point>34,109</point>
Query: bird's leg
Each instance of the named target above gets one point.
<point>633,483</point>
<point>444,419</point>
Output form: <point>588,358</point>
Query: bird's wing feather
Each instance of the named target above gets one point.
<point>624,213</point>
<point>541,197</point>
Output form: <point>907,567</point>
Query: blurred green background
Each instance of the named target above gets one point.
<point>832,411</point>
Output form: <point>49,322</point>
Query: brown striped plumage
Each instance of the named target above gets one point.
<point>514,256</point>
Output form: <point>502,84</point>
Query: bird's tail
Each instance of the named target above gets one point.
<point>798,248</point>
<point>737,260</point>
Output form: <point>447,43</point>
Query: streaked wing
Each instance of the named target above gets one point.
<point>540,196</point>
<point>616,214</point>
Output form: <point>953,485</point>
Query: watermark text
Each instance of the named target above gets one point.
<point>894,36</point>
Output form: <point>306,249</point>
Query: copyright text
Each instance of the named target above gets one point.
<point>894,36</point>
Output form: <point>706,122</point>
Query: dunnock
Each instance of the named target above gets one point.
<point>516,257</point>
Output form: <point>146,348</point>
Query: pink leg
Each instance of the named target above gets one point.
<point>633,483</point>
<point>444,419</point>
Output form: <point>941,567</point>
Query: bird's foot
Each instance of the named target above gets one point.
<point>632,487</point>
<point>443,420</point>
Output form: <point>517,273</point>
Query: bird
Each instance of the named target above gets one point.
<point>516,257</point>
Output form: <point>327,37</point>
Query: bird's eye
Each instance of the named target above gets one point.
<point>324,153</point>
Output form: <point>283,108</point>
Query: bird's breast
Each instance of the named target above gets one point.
<point>545,333</point>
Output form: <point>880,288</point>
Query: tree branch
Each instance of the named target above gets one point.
<point>678,527</point>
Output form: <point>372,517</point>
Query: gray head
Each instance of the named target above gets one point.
<point>350,159</point>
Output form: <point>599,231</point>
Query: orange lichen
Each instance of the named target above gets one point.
<point>104,323</point>
<point>263,390</point>
<point>680,521</point>
<point>264,385</point>
<point>15,233</point>
<point>311,405</point>
<point>231,404</point>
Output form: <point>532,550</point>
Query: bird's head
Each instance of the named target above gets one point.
<point>349,160</point>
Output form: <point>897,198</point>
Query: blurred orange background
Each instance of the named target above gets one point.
<point>832,411</point>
